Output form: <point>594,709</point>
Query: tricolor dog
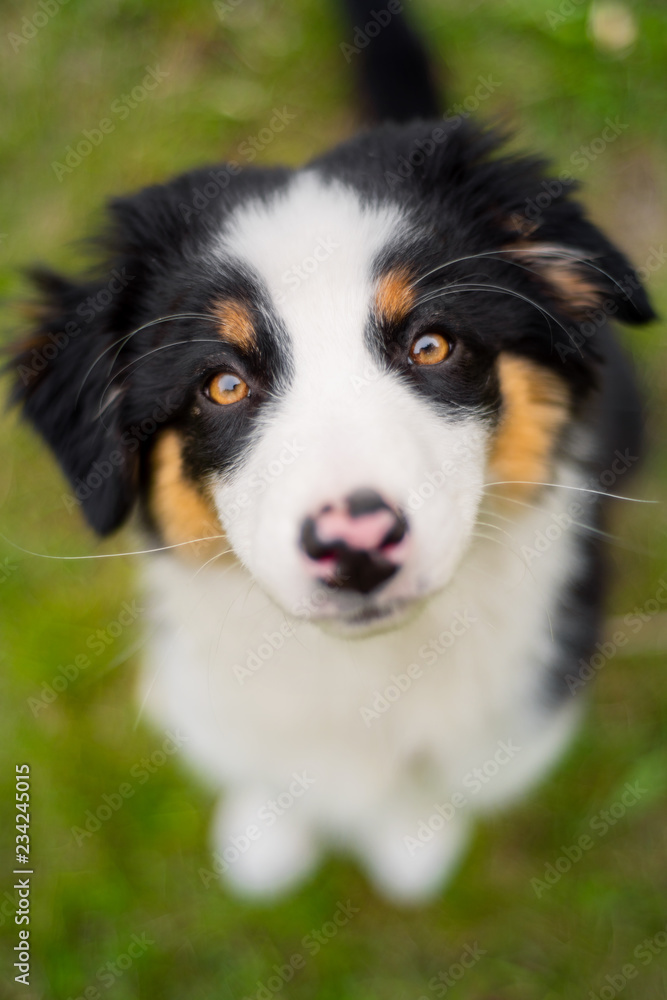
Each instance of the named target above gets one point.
<point>389,396</point>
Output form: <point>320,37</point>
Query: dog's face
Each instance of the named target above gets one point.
<point>328,366</point>
<point>378,387</point>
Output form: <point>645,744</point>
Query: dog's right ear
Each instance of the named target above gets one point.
<point>65,374</point>
<point>61,374</point>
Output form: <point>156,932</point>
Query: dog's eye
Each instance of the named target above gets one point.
<point>225,388</point>
<point>429,349</point>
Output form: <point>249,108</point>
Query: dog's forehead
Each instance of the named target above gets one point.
<point>316,248</point>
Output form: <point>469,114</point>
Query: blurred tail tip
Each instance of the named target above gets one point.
<point>395,73</point>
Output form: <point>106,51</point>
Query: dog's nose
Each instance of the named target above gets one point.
<point>355,544</point>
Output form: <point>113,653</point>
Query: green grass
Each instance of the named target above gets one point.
<point>139,874</point>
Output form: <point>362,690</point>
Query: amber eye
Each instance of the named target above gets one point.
<point>226,388</point>
<point>429,349</point>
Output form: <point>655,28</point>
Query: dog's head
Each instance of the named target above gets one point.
<point>328,365</point>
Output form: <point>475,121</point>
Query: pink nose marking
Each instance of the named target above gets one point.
<point>357,544</point>
<point>366,531</point>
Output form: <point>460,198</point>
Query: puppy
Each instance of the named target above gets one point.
<point>364,411</point>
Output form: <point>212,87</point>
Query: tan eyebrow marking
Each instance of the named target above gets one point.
<point>395,296</point>
<point>236,323</point>
<point>564,273</point>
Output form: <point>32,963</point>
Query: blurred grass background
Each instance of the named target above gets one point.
<point>563,68</point>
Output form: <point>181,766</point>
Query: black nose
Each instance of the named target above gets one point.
<point>354,543</point>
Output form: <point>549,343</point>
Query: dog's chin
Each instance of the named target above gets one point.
<point>370,618</point>
<point>362,617</point>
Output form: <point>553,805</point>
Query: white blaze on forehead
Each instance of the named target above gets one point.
<point>314,246</point>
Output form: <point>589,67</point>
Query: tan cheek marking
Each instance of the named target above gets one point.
<point>394,297</point>
<point>180,511</point>
<point>536,406</point>
<point>236,324</point>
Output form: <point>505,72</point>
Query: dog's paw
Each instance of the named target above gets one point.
<point>261,857</point>
<point>406,869</point>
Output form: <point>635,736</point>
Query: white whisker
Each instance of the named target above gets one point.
<point>483,287</point>
<point>496,527</point>
<point>127,336</point>
<point>110,555</point>
<point>563,254</point>
<point>565,486</point>
<point>142,357</point>
<point>523,562</point>
<point>217,555</point>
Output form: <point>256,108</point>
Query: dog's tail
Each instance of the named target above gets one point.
<point>396,77</point>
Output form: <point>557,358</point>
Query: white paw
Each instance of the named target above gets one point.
<point>261,855</point>
<point>407,870</point>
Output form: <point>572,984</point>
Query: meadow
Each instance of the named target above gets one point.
<point>122,906</point>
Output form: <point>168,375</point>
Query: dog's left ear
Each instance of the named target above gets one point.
<point>61,380</point>
<point>581,269</point>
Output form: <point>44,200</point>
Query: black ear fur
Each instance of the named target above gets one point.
<point>60,377</point>
<point>549,228</point>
